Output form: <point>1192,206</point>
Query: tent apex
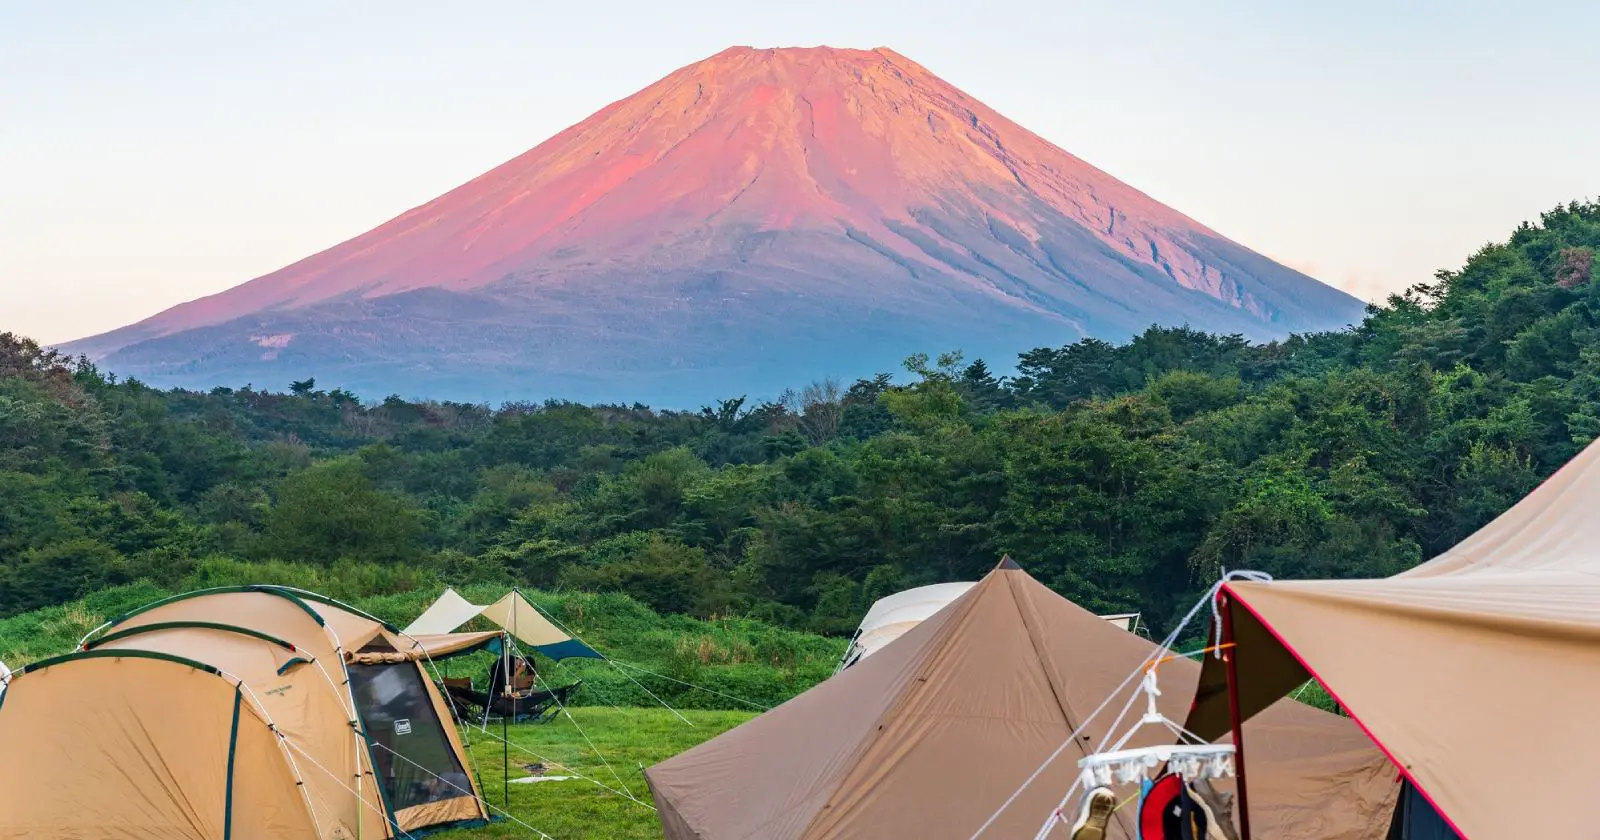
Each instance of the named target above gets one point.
<point>1007,565</point>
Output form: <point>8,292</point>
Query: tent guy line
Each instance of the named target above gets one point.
<point>1155,655</point>
<point>517,651</point>
<point>539,629</point>
<point>507,814</point>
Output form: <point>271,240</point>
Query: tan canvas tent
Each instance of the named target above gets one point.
<point>928,737</point>
<point>1476,672</point>
<point>251,712</point>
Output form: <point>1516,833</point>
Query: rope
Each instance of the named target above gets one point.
<point>1191,654</point>
<point>1216,611</point>
<point>692,685</point>
<point>562,706</point>
<point>485,803</point>
<point>606,659</point>
<point>336,780</point>
<point>283,743</point>
<point>558,765</point>
<point>1161,650</point>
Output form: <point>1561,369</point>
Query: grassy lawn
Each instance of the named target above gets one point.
<point>630,739</point>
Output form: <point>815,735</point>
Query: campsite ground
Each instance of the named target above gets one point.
<point>629,739</point>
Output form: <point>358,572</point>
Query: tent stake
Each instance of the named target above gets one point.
<point>1229,653</point>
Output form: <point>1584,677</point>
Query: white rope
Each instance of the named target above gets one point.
<point>1216,611</point>
<point>605,659</point>
<point>1161,650</point>
<point>566,768</point>
<point>336,780</point>
<point>283,744</point>
<point>562,706</point>
<point>484,802</point>
<point>692,685</point>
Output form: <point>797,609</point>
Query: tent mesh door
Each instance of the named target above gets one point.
<point>411,753</point>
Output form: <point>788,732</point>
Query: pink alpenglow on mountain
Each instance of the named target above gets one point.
<point>752,221</point>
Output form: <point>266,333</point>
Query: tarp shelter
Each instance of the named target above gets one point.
<point>250,712</point>
<point>1477,671</point>
<point>927,738</point>
<point>512,612</point>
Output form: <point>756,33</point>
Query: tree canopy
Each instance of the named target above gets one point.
<point>1124,476</point>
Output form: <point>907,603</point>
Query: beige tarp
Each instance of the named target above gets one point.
<point>1476,671</point>
<point>929,736</point>
<point>512,612</point>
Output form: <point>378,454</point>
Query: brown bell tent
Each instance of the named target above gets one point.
<point>930,736</point>
<point>1475,671</point>
<point>251,712</point>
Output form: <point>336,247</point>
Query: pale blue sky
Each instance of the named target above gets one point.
<point>154,152</point>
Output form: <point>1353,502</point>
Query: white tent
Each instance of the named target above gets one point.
<point>893,616</point>
<point>513,613</point>
<point>1127,621</point>
<point>5,677</point>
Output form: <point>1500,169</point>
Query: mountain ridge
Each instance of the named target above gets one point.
<point>759,195</point>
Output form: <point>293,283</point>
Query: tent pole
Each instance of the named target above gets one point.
<point>505,725</point>
<point>1229,656</point>
<point>505,762</point>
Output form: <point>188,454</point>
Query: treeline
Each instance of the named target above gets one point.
<point>1124,476</point>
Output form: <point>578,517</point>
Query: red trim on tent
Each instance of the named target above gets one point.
<point>1337,699</point>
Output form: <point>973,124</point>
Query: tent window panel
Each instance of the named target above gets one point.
<point>400,721</point>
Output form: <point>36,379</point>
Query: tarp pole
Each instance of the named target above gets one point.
<point>505,725</point>
<point>505,762</point>
<point>1229,656</point>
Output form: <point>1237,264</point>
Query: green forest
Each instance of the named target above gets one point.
<point>1126,476</point>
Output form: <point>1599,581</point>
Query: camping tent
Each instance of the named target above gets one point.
<point>512,612</point>
<point>1476,671</point>
<point>247,711</point>
<point>929,737</point>
<point>891,616</point>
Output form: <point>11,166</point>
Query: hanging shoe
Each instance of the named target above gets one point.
<point>1218,809</point>
<point>1097,808</point>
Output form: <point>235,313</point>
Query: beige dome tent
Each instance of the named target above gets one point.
<point>928,738</point>
<point>1475,671</point>
<point>251,712</point>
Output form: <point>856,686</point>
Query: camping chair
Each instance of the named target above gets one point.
<point>534,705</point>
<point>530,706</point>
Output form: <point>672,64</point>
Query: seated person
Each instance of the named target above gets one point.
<point>521,681</point>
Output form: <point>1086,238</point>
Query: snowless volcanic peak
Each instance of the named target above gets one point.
<point>712,227</point>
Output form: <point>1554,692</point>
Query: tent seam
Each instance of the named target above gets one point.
<point>1035,640</point>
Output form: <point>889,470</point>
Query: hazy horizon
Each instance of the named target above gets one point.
<point>157,154</point>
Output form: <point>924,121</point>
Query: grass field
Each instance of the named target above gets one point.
<point>630,740</point>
